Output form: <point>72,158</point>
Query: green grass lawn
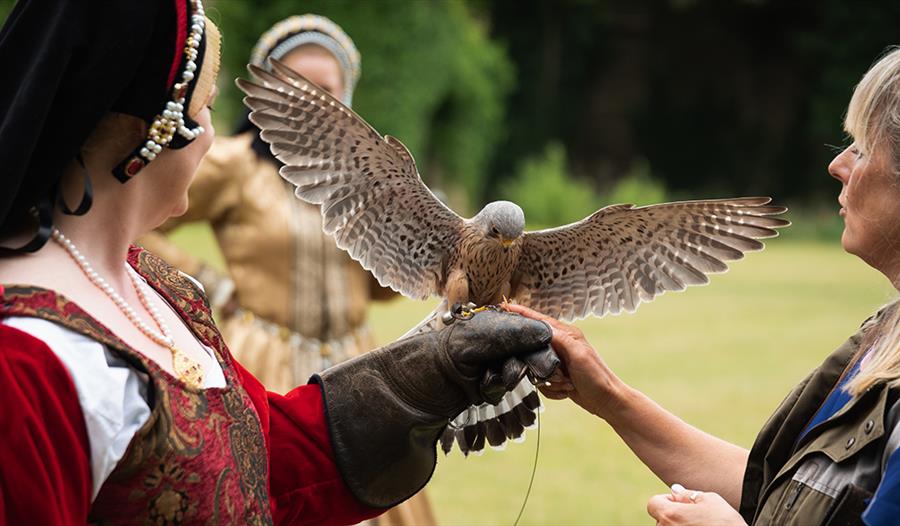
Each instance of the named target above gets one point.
<point>721,356</point>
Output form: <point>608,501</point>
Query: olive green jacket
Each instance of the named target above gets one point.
<point>827,477</point>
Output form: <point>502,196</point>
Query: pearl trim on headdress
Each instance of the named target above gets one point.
<point>171,120</point>
<point>295,31</point>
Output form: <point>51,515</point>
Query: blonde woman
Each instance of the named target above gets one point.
<point>829,454</point>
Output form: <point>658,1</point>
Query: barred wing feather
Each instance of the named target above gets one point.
<point>373,201</point>
<point>622,256</point>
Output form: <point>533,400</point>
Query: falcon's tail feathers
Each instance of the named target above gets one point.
<point>432,322</point>
<point>494,425</point>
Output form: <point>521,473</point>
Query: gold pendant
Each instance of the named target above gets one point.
<point>187,370</point>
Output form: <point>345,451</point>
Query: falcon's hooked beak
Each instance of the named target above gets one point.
<point>506,242</point>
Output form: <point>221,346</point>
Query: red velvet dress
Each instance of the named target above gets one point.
<point>236,455</point>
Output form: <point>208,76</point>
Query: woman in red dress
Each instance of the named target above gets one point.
<point>120,402</point>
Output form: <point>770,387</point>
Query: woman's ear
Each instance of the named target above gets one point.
<point>115,136</point>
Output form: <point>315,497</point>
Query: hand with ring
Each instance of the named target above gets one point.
<point>684,507</point>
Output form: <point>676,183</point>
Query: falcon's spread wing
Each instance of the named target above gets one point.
<point>608,263</point>
<point>373,201</point>
<point>621,256</point>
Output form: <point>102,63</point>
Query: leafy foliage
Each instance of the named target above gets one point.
<point>638,187</point>
<point>551,196</point>
<point>548,194</point>
<point>430,76</point>
<point>723,98</point>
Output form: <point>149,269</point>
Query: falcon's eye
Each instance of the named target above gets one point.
<point>495,231</point>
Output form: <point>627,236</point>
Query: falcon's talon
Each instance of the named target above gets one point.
<point>461,311</point>
<point>464,312</point>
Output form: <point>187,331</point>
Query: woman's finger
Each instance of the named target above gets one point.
<point>561,337</point>
<point>684,495</point>
<point>558,377</point>
<point>534,315</point>
<point>657,505</point>
<point>553,395</point>
<point>558,386</point>
<point>564,335</point>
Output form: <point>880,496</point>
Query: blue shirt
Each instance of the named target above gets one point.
<point>884,507</point>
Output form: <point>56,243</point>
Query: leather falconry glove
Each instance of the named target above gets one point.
<point>387,408</point>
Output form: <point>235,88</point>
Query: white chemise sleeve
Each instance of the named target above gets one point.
<point>112,395</point>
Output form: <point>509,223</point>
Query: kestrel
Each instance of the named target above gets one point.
<point>376,206</point>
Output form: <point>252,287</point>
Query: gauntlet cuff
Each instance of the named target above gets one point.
<point>384,447</point>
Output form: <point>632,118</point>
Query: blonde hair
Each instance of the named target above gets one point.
<point>115,136</point>
<point>873,121</point>
<point>882,365</point>
<point>873,116</point>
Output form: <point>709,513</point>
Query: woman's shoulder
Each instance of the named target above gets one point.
<point>83,357</point>
<point>55,360</point>
<point>109,393</point>
<point>222,172</point>
<point>88,363</point>
<point>54,336</point>
<point>38,396</point>
<point>27,347</point>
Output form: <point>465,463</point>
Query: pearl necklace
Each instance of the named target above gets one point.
<point>185,368</point>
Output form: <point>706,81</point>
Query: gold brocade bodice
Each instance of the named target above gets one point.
<point>285,269</point>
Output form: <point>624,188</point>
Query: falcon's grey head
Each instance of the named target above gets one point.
<point>502,220</point>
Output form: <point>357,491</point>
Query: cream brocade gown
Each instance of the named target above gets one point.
<point>302,301</point>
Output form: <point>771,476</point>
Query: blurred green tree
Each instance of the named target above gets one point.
<point>637,187</point>
<point>547,193</point>
<point>722,97</point>
<point>430,76</point>
<point>551,196</point>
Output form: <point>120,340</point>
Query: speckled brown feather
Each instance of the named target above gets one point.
<point>373,201</point>
<point>622,256</point>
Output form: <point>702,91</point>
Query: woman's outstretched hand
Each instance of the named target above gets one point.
<point>684,507</point>
<point>671,448</point>
<point>584,377</point>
